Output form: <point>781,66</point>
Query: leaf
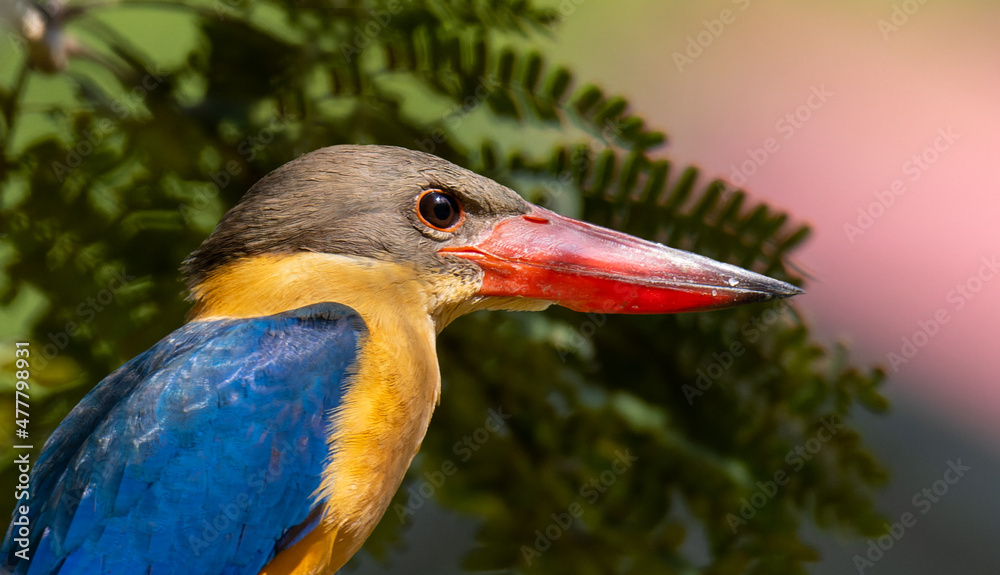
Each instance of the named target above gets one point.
<point>586,393</point>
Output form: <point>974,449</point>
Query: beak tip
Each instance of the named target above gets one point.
<point>775,289</point>
<point>764,289</point>
<point>789,290</point>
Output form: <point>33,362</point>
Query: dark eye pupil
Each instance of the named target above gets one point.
<point>439,209</point>
<point>442,209</point>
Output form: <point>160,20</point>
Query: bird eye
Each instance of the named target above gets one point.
<point>439,210</point>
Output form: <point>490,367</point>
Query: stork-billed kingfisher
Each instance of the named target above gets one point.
<point>269,433</point>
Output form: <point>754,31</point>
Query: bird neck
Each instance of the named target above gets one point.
<point>397,362</point>
<point>388,400</point>
<point>270,284</point>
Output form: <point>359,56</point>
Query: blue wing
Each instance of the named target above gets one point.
<point>202,455</point>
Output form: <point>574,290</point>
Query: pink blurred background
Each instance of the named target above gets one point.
<point>868,96</point>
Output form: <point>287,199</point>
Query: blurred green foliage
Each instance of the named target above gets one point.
<point>128,128</point>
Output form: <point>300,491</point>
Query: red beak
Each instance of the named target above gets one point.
<point>542,255</point>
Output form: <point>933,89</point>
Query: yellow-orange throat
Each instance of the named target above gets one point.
<point>387,401</point>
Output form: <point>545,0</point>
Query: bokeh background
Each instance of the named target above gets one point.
<point>892,88</point>
<point>816,108</point>
<point>896,73</point>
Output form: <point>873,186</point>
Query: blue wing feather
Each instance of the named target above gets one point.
<point>202,455</point>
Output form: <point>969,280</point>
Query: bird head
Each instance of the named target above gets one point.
<point>354,223</point>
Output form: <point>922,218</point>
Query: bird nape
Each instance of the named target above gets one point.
<point>269,434</point>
